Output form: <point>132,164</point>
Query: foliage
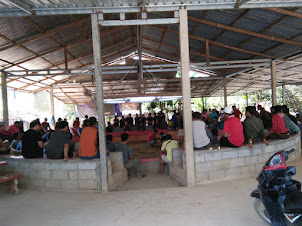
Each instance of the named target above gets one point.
<point>41,102</point>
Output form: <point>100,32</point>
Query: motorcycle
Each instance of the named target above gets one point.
<point>278,198</point>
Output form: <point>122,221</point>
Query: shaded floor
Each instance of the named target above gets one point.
<point>151,181</point>
<point>226,203</point>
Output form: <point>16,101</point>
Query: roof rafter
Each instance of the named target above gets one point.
<point>243,31</point>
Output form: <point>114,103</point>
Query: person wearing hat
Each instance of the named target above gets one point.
<point>89,141</point>
<point>232,135</point>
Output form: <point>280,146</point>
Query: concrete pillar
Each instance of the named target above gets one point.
<point>186,95</point>
<point>247,99</point>
<point>225,95</point>
<point>96,41</point>
<point>4,99</point>
<point>274,83</point>
<point>283,94</point>
<point>52,104</point>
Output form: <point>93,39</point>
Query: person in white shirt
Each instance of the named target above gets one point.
<point>200,139</point>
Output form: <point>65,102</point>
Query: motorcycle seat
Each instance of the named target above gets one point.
<point>293,202</point>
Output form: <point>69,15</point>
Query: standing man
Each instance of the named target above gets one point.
<point>236,112</point>
<point>232,135</point>
<point>128,158</point>
<point>32,144</point>
<point>89,141</point>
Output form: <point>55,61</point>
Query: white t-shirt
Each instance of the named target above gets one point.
<point>200,138</point>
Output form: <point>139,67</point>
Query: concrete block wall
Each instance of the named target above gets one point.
<point>56,175</point>
<point>232,162</point>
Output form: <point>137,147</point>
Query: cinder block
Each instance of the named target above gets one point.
<point>69,166</point>
<point>176,152</point>
<point>292,142</point>
<point>247,170</point>
<point>230,154</point>
<point>237,162</point>
<point>270,148</point>
<point>258,167</point>
<point>199,157</point>
<point>216,174</point>
<point>257,151</point>
<point>244,152</point>
<point>12,164</point>
<point>213,156</point>
<point>87,165</point>
<point>51,166</point>
<point>249,160</point>
<point>109,168</point>
<point>221,164</point>
<point>52,184</point>
<point>280,146</point>
<point>286,144</point>
<point>88,185</point>
<point>87,175</point>
<point>73,174</point>
<point>177,161</point>
<point>234,172</point>
<point>59,174</point>
<point>201,177</point>
<point>23,164</point>
<point>69,184</point>
<point>37,165</point>
<point>203,167</point>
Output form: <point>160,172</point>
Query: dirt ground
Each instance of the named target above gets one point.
<point>142,150</point>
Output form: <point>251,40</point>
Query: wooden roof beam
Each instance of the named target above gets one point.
<point>285,12</point>
<point>247,32</point>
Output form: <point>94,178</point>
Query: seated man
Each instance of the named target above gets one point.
<point>32,142</point>
<point>4,147</point>
<point>4,135</point>
<point>89,141</point>
<point>109,144</point>
<point>290,124</point>
<point>166,148</point>
<point>200,139</point>
<point>76,123</point>
<point>232,135</point>
<point>152,138</point>
<point>128,158</point>
<point>141,126</point>
<point>45,125</point>
<point>278,130</point>
<point>109,128</point>
<point>58,145</point>
<point>116,122</point>
<point>14,128</point>
<point>253,127</point>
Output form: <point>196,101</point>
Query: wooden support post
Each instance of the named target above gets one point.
<point>140,109</point>
<point>283,94</point>
<point>207,52</point>
<point>52,104</point>
<point>4,99</point>
<point>65,57</point>
<point>74,111</point>
<point>247,99</point>
<point>186,95</point>
<point>274,83</point>
<point>96,40</point>
<point>225,92</point>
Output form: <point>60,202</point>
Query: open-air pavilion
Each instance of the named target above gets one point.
<point>80,51</point>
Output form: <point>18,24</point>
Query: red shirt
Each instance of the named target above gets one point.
<point>278,125</point>
<point>233,127</point>
<point>151,137</point>
<point>13,129</point>
<point>237,113</point>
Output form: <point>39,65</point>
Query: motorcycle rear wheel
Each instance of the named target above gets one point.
<point>261,211</point>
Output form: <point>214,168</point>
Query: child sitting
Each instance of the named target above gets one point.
<point>152,138</point>
<point>16,141</point>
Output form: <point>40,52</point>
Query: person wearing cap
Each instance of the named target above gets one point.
<point>253,127</point>
<point>232,135</point>
<point>89,141</point>
<point>32,142</point>
<point>14,128</point>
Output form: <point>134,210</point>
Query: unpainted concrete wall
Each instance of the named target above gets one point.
<point>232,162</point>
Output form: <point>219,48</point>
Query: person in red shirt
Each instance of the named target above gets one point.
<point>278,130</point>
<point>45,125</point>
<point>236,112</point>
<point>152,138</point>
<point>14,128</point>
<point>232,135</point>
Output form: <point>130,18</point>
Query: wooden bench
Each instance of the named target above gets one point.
<point>11,178</point>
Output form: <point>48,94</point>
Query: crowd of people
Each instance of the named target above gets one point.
<point>64,142</point>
